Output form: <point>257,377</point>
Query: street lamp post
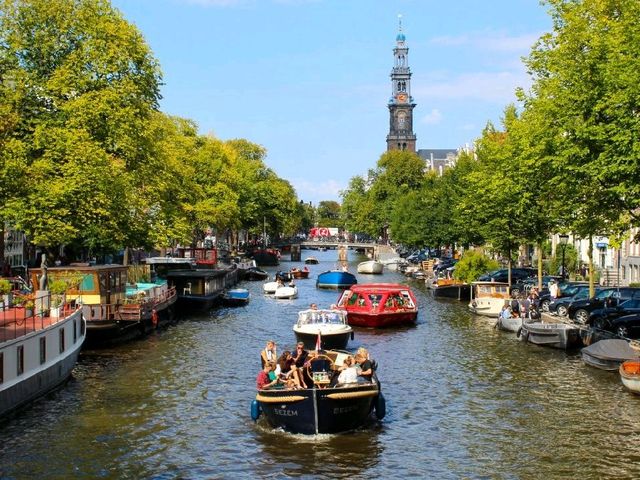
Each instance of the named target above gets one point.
<point>564,238</point>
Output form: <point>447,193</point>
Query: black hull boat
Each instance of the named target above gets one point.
<point>198,290</point>
<point>609,354</point>
<point>255,273</point>
<point>325,407</point>
<point>457,292</point>
<point>555,335</point>
<point>266,257</point>
<point>320,410</point>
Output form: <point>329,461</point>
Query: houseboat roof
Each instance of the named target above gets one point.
<point>204,273</point>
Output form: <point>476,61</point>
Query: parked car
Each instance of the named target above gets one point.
<point>560,305</point>
<point>627,326</point>
<point>606,297</point>
<point>626,307</point>
<point>565,289</point>
<point>502,275</point>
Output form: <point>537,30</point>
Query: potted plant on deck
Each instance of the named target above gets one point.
<point>57,289</point>
<point>5,292</point>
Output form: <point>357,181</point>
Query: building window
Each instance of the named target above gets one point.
<point>43,350</point>
<point>62,340</point>
<point>20,360</point>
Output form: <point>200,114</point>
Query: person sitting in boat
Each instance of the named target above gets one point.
<point>269,354</point>
<point>505,313</point>
<point>300,360</point>
<point>289,374</point>
<point>262,380</point>
<point>365,368</point>
<point>348,371</point>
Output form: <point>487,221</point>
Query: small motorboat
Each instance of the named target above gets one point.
<point>556,335</point>
<point>255,273</point>
<point>236,297</point>
<point>509,324</point>
<point>336,279</point>
<point>325,407</point>
<point>270,288</point>
<point>284,276</point>
<point>298,273</point>
<point>487,298</point>
<point>311,261</point>
<point>609,354</point>
<point>379,305</point>
<point>373,267</point>
<point>286,292</point>
<point>331,326</point>
<point>630,375</point>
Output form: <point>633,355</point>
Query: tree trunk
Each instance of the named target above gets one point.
<point>125,260</point>
<point>592,288</point>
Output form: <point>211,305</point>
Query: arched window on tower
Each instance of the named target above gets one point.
<point>404,146</point>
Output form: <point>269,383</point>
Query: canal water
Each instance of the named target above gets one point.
<point>463,401</point>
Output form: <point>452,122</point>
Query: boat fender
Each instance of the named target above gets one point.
<point>381,406</point>
<point>255,410</point>
<point>154,318</point>
<point>352,335</point>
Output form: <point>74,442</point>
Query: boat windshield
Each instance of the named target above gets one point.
<point>308,317</point>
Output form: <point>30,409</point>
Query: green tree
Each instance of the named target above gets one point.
<point>328,214</point>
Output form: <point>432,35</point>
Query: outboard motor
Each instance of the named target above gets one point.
<point>255,410</point>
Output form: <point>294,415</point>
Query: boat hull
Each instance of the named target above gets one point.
<point>608,354</point>
<point>330,341</point>
<point>555,335</point>
<point>381,320</point>
<point>298,274</point>
<point>313,411</point>
<point>457,292</point>
<point>336,279</point>
<point>371,267</point>
<point>37,380</point>
<point>630,375</point>
<point>511,324</point>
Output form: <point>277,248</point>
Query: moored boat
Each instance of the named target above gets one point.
<point>236,297</point>
<point>379,305</point>
<point>38,353</point>
<point>509,324</point>
<point>298,273</point>
<point>255,273</point>
<point>630,375</point>
<point>198,290</point>
<point>311,261</point>
<point>373,267</point>
<point>608,354</point>
<point>556,335</point>
<point>266,256</point>
<point>325,407</point>
<point>450,288</point>
<point>487,298</point>
<point>331,325</point>
<point>336,279</point>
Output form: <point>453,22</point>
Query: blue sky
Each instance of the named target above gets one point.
<point>309,79</point>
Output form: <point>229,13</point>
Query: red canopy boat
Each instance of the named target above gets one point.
<point>379,305</point>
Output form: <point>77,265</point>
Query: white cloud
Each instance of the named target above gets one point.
<point>433,117</point>
<point>491,41</point>
<point>316,192</point>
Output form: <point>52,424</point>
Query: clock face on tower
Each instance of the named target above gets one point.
<point>401,97</point>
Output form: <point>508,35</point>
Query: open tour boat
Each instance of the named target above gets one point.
<point>379,305</point>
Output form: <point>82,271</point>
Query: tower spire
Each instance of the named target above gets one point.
<point>401,136</point>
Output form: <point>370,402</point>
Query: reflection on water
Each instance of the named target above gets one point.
<point>464,400</point>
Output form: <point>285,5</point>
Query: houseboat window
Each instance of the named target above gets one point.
<point>375,299</point>
<point>1,367</point>
<point>104,281</point>
<point>20,360</point>
<point>88,284</point>
<point>43,350</point>
<point>61,340</point>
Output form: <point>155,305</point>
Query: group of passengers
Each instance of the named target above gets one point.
<point>523,306</point>
<point>288,370</point>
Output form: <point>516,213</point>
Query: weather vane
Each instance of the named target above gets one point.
<point>399,22</point>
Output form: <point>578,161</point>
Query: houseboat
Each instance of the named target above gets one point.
<point>37,353</point>
<point>113,309</point>
<point>198,290</point>
<point>379,305</point>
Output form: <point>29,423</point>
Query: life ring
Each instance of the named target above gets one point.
<point>154,318</point>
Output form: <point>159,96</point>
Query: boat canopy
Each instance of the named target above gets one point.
<point>311,317</point>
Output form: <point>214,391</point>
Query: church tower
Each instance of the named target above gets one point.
<point>401,136</point>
